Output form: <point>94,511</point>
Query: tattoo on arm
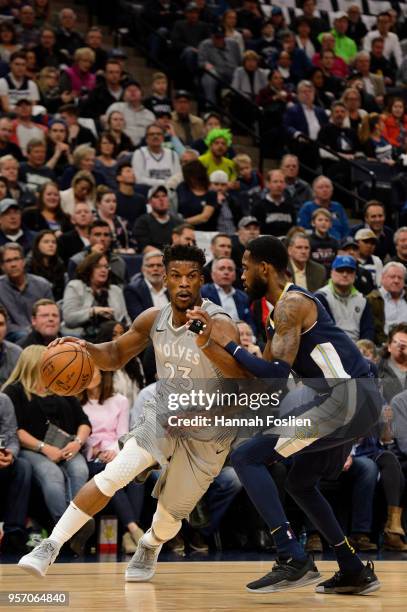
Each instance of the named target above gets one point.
<point>288,318</point>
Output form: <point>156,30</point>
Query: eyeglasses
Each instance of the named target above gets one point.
<point>12,260</point>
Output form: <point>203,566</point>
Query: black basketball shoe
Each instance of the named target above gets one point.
<point>285,575</point>
<point>359,583</point>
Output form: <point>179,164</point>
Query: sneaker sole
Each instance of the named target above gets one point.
<point>308,578</point>
<point>31,569</point>
<point>145,578</point>
<point>370,588</point>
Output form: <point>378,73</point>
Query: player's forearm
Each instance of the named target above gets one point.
<point>229,367</point>
<point>105,356</point>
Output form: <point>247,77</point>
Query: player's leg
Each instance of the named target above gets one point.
<point>94,495</point>
<point>302,485</point>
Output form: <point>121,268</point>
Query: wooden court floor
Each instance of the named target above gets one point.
<point>198,587</point>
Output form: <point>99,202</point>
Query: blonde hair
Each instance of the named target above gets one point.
<point>27,370</point>
<point>6,158</point>
<point>242,160</point>
<point>80,152</point>
<point>84,53</point>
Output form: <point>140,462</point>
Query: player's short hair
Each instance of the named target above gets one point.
<point>220,235</point>
<point>182,252</point>
<point>269,249</point>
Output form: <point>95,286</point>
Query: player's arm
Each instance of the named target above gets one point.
<point>115,354</point>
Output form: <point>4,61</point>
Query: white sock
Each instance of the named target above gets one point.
<point>70,522</point>
<point>150,539</point>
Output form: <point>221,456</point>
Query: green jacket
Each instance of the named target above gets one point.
<point>345,47</point>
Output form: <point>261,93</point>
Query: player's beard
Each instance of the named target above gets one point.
<point>257,289</point>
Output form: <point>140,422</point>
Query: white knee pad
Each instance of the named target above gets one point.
<point>164,526</point>
<point>129,463</point>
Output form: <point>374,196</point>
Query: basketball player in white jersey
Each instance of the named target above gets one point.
<point>189,463</point>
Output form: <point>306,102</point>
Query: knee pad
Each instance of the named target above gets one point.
<point>131,461</point>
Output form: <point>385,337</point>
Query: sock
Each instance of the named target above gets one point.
<point>347,558</point>
<point>150,538</point>
<point>70,522</point>
<point>287,544</point>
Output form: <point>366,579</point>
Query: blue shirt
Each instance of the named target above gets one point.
<point>340,225</point>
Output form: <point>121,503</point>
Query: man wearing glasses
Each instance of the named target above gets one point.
<point>154,164</point>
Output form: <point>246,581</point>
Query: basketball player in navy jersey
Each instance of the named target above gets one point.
<point>302,338</point>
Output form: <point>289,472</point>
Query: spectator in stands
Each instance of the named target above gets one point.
<point>15,482</point>
<point>34,172</point>
<point>90,299</point>
<point>77,134</point>
<point>247,339</point>
<point>356,28</point>
<point>218,141</point>
<point>48,214</point>
<point>45,324</point>
<point>400,240</point>
<point>296,188</point>
<point>219,56</point>
<point>27,31</point>
<point>183,234</point>
<point>317,24</point>
<point>7,147</point>
<point>229,22</point>
<point>154,164</point>
<point>19,191</point>
<point>24,128</point>
<point>221,291</point>
<point>393,365</point>
<point>363,280</point>
<point>68,38</point>
<point>104,94</point>
<point>106,160</point>
<point>303,37</point>
<point>229,211</point>
<point>187,156</point>
<point>250,19</point>
<point>347,307</point>
<point>324,247</point>
<point>323,190</point>
<point>339,68</point>
<point>19,290</point>
<point>187,127</point>
<point>352,101</point>
<point>211,121</point>
<point>367,242</point>
<point>195,202</point>
<point>43,260</point>
<point>374,218</point>
<point>46,53</point>
<point>187,34</point>
<point>372,83</point>
<point>116,125</point>
<point>392,50</point>
<point>247,177</point>
<point>389,302</point>
<point>58,150</point>
<point>73,241</point>
<point>94,41</point>
<point>273,209</point>
<point>220,247</point>
<point>60,473</point>
<point>154,229</point>
<point>249,79</point>
<point>10,352</point>
<point>83,190</point>
<point>380,65</point>
<point>136,117</point>
<point>8,41</point>
<point>51,95</point>
<point>248,229</point>
<point>147,288</point>
<point>158,102</point>
<point>16,85</point>
<point>100,241</point>
<point>345,47</point>
<point>304,271</point>
<point>395,125</point>
<point>106,205</point>
<point>130,204</point>
<point>11,229</point>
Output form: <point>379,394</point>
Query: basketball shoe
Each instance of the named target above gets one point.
<point>359,583</point>
<point>38,560</point>
<point>143,564</point>
<point>285,575</point>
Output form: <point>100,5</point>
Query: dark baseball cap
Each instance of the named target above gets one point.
<point>218,31</point>
<point>182,93</point>
<point>348,242</point>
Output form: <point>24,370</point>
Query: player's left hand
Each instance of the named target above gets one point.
<point>201,315</point>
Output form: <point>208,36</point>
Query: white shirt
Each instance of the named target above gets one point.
<point>395,311</point>
<point>154,169</point>
<point>227,302</point>
<point>313,123</point>
<point>159,297</point>
<point>391,48</point>
<point>33,93</point>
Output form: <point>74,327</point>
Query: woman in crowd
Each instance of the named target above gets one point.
<point>249,79</point>
<point>395,125</point>
<point>83,158</point>
<point>58,150</point>
<point>47,52</point>
<point>90,299</point>
<point>59,468</point>
<point>352,100</point>
<point>322,98</point>
<point>79,78</point>
<point>106,206</point>
<point>229,21</point>
<point>115,126</point>
<point>9,167</point>
<point>51,96</point>
<point>376,146</point>
<point>196,203</point>
<point>303,37</point>
<point>106,161</point>
<point>43,261</point>
<point>48,213</point>
<point>83,190</point>
<point>8,41</point>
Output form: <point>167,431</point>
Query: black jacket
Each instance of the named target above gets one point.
<point>137,295</point>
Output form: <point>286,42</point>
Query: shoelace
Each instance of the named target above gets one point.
<point>44,550</point>
<point>143,555</point>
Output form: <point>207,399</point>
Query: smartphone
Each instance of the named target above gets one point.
<point>2,445</point>
<point>196,326</point>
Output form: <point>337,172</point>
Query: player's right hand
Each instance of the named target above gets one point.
<point>67,339</point>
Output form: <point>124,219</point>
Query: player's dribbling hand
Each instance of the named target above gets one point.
<point>198,314</point>
<point>67,339</point>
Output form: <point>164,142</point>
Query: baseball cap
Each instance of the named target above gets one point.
<point>182,93</point>
<point>347,242</point>
<point>344,261</point>
<point>276,10</point>
<point>365,234</point>
<point>218,177</point>
<point>153,190</point>
<point>163,113</point>
<point>248,220</point>
<point>132,82</point>
<point>341,15</point>
<point>218,31</point>
<point>8,203</point>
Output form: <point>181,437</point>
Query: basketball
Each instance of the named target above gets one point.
<point>66,369</point>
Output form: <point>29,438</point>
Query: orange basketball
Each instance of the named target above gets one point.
<point>66,369</point>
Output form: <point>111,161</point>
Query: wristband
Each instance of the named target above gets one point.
<point>257,366</point>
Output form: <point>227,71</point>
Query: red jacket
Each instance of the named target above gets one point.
<point>391,130</point>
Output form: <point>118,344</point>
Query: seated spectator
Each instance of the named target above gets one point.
<point>283,64</point>
<point>273,209</point>
<point>296,188</point>
<point>90,299</point>
<point>373,84</point>
<point>374,218</point>
<point>51,96</point>
<point>339,68</point>
<point>45,324</point>
<point>106,205</point>
<point>188,127</point>
<point>304,271</point>
<point>130,204</point>
<point>211,121</point>
<point>380,65</point>
<point>363,280</point>
<point>299,63</point>
<point>24,128</point>
<point>77,134</point>
<point>392,49</point>
<point>367,243</point>
<point>229,22</point>
<point>106,161</point>
<point>356,27</point>
<point>73,241</point>
<point>43,260</point>
<point>352,101</point>
<point>317,23</point>
<point>154,164</point>
<point>106,93</point>
<point>34,172</point>
<point>154,228</point>
<point>83,191</point>
<point>171,140</point>
<point>228,212</point>
<point>116,127</point>
<point>389,302</point>
<point>218,140</point>
<point>323,97</point>
<point>247,177</point>
<point>68,38</point>
<point>59,472</point>
<point>250,18</point>
<point>11,229</point>
<point>393,365</point>
<point>303,37</point>
<point>323,190</point>
<point>248,228</point>
<point>28,33</point>
<point>15,479</point>
<point>221,291</point>
<point>8,41</point>
<point>7,147</point>
<point>10,351</point>
<point>187,34</point>
<point>348,308</point>
<point>345,47</point>
<point>158,101</point>
<point>395,124</point>
<point>187,156</point>
<point>9,167</point>
<point>136,117</point>
<point>58,150</point>
<point>249,79</point>
<point>195,202</point>
<point>108,413</point>
<point>48,214</point>
<point>183,234</point>
<point>16,85</point>
<point>147,288</point>
<point>79,78</point>
<point>46,52</point>
<point>84,158</point>
<point>94,41</point>
<point>338,137</point>
<point>100,241</point>
<point>220,247</point>
<point>324,247</point>
<point>247,339</point>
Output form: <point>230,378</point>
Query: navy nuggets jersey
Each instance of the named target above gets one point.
<point>325,351</point>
